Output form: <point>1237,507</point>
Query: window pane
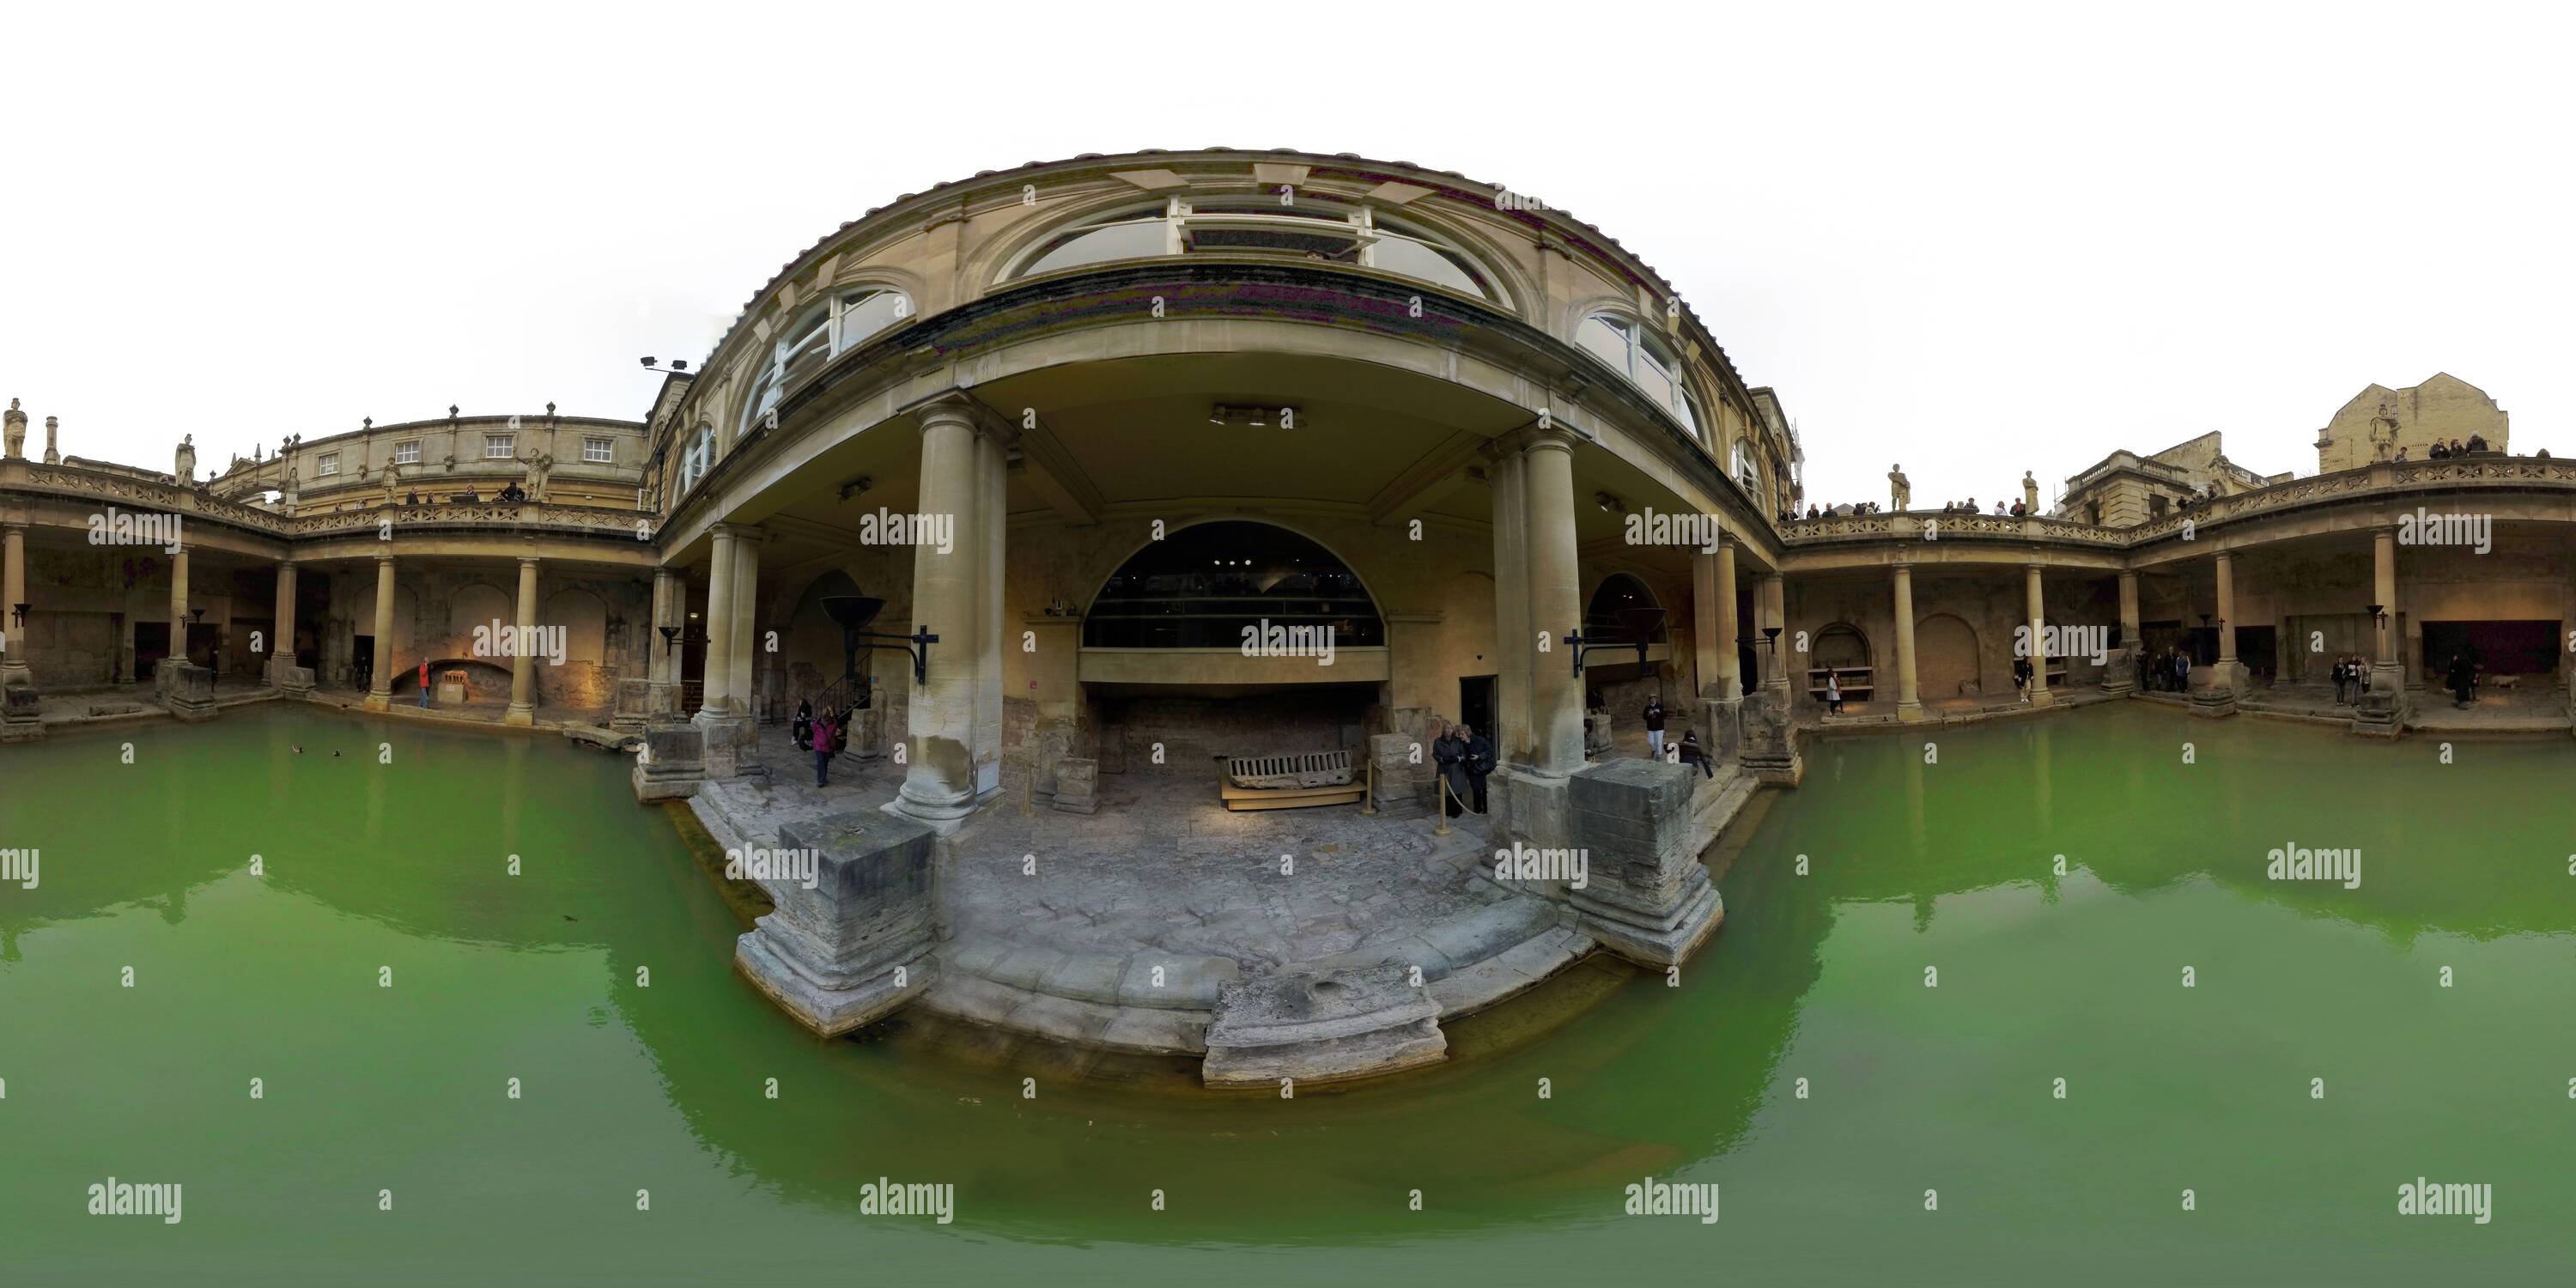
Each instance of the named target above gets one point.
<point>1691,417</point>
<point>497,445</point>
<point>1607,338</point>
<point>1139,240</point>
<point>407,453</point>
<point>595,449</point>
<point>864,316</point>
<point>1413,259</point>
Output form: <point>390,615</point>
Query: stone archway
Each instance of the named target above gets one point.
<point>1946,661</point>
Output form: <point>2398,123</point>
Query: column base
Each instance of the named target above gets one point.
<point>520,714</point>
<point>1644,895</point>
<point>1770,739</point>
<point>854,939</point>
<point>731,747</point>
<point>2041,698</point>
<point>943,816</point>
<point>378,702</point>
<point>187,691</point>
<point>672,765</point>
<point>2381,710</point>
<point>20,720</point>
<point>1909,712</point>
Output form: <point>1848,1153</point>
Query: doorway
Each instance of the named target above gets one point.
<point>1476,704</point>
<point>151,644</point>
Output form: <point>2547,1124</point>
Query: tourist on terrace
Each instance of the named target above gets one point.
<point>2439,452</point>
<point>2457,449</point>
<point>1654,715</point>
<point>1833,692</point>
<point>822,739</point>
<point>2401,456</point>
<point>2477,442</point>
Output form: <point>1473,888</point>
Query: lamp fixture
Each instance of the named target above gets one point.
<point>854,612</point>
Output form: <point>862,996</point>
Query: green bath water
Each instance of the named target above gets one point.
<point>1816,979</point>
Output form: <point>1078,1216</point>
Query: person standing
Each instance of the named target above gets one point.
<point>2021,677</point>
<point>1449,757</point>
<point>424,683</point>
<point>1479,761</point>
<point>1833,691</point>
<point>803,730</point>
<point>822,735</point>
<point>2462,679</point>
<point>1655,727</point>
<point>2339,674</point>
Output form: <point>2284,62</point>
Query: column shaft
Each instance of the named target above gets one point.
<point>17,658</point>
<point>1513,636</point>
<point>1556,607</point>
<point>666,590</point>
<point>1705,647</point>
<point>992,514</point>
<point>940,774</point>
<point>2129,630</point>
<point>380,687</point>
<point>2383,581</point>
<point>179,606</point>
<point>2226,609</point>
<point>748,640</point>
<point>719,656</point>
<point>523,659</point>
<point>1730,629</point>
<point>281,628</point>
<point>2038,636</point>
<point>1909,702</point>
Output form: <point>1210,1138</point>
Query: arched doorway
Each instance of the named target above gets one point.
<point>1946,662</point>
<point>1204,585</point>
<point>1842,649</point>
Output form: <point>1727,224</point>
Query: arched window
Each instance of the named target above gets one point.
<point>1609,614</point>
<point>1204,586</point>
<point>818,336</point>
<point>1627,346</point>
<point>695,458</point>
<point>1300,228</point>
<point>1748,472</point>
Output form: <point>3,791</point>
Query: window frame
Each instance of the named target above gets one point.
<point>1683,406</point>
<point>1357,222</point>
<point>326,465</point>
<point>409,445</point>
<point>796,346</point>
<point>607,450</point>
<point>508,443</point>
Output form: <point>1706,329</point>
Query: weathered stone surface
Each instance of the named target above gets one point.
<point>20,720</point>
<point>1077,785</point>
<point>673,763</point>
<point>1645,896</point>
<point>1322,1027</point>
<point>859,943</point>
<point>1769,739</point>
<point>634,704</point>
<point>188,691</point>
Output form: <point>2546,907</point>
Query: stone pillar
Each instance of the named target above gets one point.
<point>2038,614</point>
<point>1774,591</point>
<point>1722,697</point>
<point>523,659</point>
<point>2122,677</point>
<point>2382,709</point>
<point>740,699</point>
<point>2226,573</point>
<point>380,689</point>
<point>1556,606</point>
<point>1730,630</point>
<point>52,457</point>
<point>719,658</point>
<point>1909,703</point>
<point>281,630</point>
<point>940,778</point>
<point>17,659</point>
<point>178,606</point>
<point>1704,641</point>
<point>670,608</point>
<point>992,515</point>
<point>1513,635</point>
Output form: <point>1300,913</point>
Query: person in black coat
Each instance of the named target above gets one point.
<point>803,729</point>
<point>1479,762</point>
<point>1449,756</point>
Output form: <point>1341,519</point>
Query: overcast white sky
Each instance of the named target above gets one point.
<point>1972,240</point>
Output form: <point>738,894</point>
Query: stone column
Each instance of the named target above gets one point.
<point>523,659</point>
<point>1513,635</point>
<point>719,658</point>
<point>281,630</point>
<point>947,598</point>
<point>1556,607</point>
<point>2039,695</point>
<point>178,606</point>
<point>2226,611</point>
<point>1909,703</point>
<point>992,513</point>
<point>670,608</point>
<point>17,660</point>
<point>1775,612</point>
<point>380,689</point>
<point>2123,675</point>
<point>740,699</point>
<point>2383,583</point>
<point>1730,664</point>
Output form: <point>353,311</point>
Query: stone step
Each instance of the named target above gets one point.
<point>973,999</point>
<point>1321,1027</point>
<point>1507,974</point>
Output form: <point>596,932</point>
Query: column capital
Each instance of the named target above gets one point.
<point>528,561</point>
<point>956,407</point>
<point>384,556</point>
<point>18,526</point>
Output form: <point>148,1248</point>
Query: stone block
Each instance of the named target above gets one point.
<point>860,943</point>
<point>1645,894</point>
<point>188,691</point>
<point>20,716</point>
<point>1322,1027</point>
<point>1077,785</point>
<point>634,705</point>
<point>1768,740</point>
<point>672,765</point>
